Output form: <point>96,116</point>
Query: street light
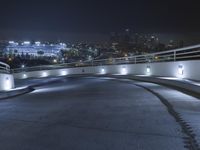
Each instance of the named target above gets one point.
<point>55,61</point>
<point>23,66</point>
<point>9,59</point>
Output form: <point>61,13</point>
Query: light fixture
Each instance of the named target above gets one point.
<point>123,70</point>
<point>44,74</point>
<point>148,69</point>
<point>102,71</point>
<point>24,75</point>
<point>63,73</point>
<point>180,69</point>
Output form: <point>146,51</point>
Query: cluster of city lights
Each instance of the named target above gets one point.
<point>37,43</point>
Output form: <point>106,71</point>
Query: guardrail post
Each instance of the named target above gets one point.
<point>135,59</point>
<point>174,55</point>
<point>7,69</point>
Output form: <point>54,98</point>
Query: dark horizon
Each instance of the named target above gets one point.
<point>188,38</point>
<point>95,20</point>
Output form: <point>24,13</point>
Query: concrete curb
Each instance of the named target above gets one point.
<point>180,85</point>
<point>28,89</point>
<point>14,93</point>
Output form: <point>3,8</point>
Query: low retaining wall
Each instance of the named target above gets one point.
<point>180,69</point>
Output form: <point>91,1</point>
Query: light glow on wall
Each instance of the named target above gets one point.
<point>123,70</point>
<point>63,73</point>
<point>103,71</point>
<point>180,69</point>
<point>24,76</point>
<point>44,74</point>
<point>148,69</point>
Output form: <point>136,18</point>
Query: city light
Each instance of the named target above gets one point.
<point>55,61</point>
<point>27,42</point>
<point>23,66</point>
<point>63,44</point>
<point>9,59</point>
<point>33,49</point>
<point>11,42</point>
<point>38,43</point>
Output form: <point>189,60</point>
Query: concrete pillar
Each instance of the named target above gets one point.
<point>6,82</point>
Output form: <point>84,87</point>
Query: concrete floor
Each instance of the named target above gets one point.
<point>88,113</point>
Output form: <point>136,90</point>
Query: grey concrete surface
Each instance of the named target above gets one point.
<point>14,92</point>
<point>188,86</point>
<point>187,106</point>
<point>88,113</point>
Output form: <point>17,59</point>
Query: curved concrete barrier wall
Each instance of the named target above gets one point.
<point>6,82</point>
<point>180,69</point>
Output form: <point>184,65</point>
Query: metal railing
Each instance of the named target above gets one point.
<point>4,68</point>
<point>186,53</point>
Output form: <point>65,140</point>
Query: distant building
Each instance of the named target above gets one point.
<point>36,49</point>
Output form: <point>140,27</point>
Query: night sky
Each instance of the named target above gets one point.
<point>90,18</point>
